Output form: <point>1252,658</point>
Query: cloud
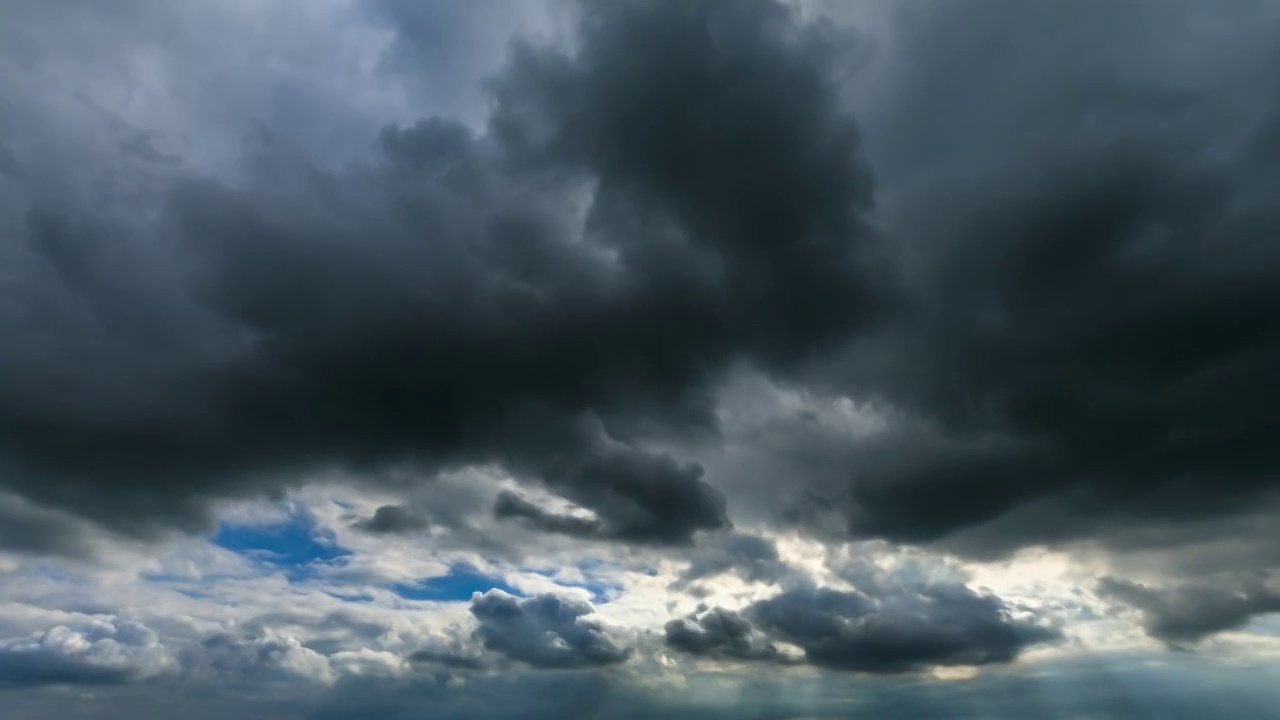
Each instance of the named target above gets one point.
<point>544,631</point>
<point>830,328</point>
<point>262,656</point>
<point>1191,612</point>
<point>752,557</point>
<point>719,633</point>
<point>637,496</point>
<point>1088,305</point>
<point>548,294</point>
<point>1080,689</point>
<point>510,505</point>
<point>393,519</point>
<point>562,290</point>
<point>893,622</point>
<point>101,651</point>
<point>453,658</point>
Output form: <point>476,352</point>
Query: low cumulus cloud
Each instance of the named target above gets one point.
<point>892,623</point>
<point>544,631</point>
<point>511,505</point>
<point>753,558</point>
<point>99,651</point>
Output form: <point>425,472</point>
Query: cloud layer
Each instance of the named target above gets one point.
<point>638,358</point>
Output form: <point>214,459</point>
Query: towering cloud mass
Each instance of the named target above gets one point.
<point>1094,321</point>
<point>681,193</point>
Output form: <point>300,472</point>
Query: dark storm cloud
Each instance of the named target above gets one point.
<point>544,631</point>
<point>447,302</point>
<point>1188,613</point>
<point>894,622</point>
<point>255,654</point>
<point>1087,241</point>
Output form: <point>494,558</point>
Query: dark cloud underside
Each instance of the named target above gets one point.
<point>448,302</point>
<point>1060,294</point>
<point>545,631</point>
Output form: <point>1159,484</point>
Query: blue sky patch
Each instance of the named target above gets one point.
<point>294,544</point>
<point>459,584</point>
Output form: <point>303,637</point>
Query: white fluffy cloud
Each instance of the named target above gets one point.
<point>101,650</point>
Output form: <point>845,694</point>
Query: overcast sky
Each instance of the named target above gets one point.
<point>639,359</point>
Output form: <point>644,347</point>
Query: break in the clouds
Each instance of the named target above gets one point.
<point>597,358</point>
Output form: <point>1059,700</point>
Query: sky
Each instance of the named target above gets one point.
<point>639,359</point>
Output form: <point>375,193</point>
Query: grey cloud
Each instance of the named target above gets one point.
<point>544,631</point>
<point>539,695</point>
<point>99,651</point>
<point>329,633</point>
<point>453,35</point>
<point>511,505</point>
<point>445,302</point>
<point>893,622</point>
<point>393,519</point>
<point>719,633</point>
<point>752,557</point>
<point>640,496</point>
<point>1091,308</point>
<point>1189,613</point>
<point>27,528</point>
<point>931,626</point>
<point>261,655</point>
<point>453,658</point>
<point>1063,299</point>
